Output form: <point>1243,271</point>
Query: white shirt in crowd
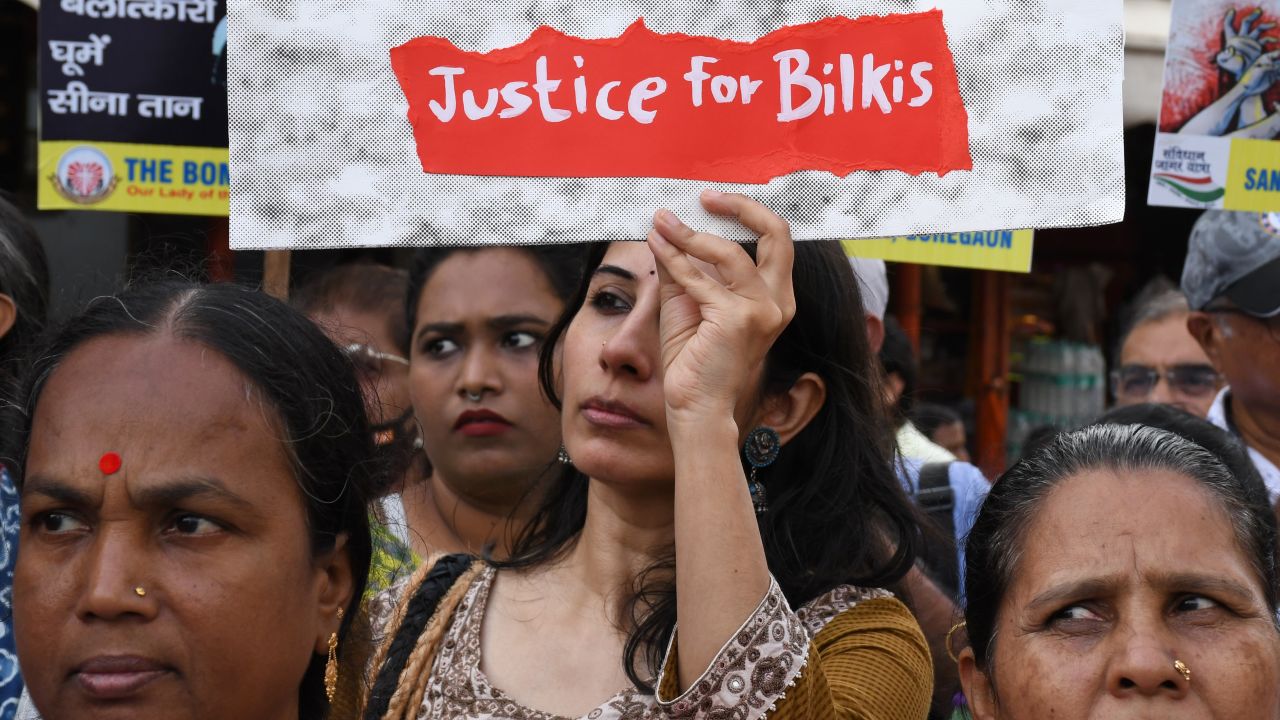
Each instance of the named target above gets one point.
<point>914,445</point>
<point>1220,415</point>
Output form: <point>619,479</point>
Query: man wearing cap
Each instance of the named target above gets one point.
<point>897,359</point>
<point>1232,283</point>
<point>956,491</point>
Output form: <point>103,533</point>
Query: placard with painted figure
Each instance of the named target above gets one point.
<point>1220,112</point>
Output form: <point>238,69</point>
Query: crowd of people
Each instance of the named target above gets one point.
<point>673,478</point>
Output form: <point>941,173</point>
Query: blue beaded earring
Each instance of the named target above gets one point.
<point>761,449</point>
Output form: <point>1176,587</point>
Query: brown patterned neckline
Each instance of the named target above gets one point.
<point>473,626</point>
<point>458,688</point>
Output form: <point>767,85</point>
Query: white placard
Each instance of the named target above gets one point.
<point>322,154</point>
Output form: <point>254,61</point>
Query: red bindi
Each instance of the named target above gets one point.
<point>109,463</point>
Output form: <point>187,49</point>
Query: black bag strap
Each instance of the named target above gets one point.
<point>417,614</point>
<point>936,498</point>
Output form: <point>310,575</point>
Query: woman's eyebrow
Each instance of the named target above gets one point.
<point>58,491</point>
<point>1200,582</point>
<point>1074,590</point>
<point>506,322</point>
<point>173,492</point>
<point>616,271</point>
<point>441,328</point>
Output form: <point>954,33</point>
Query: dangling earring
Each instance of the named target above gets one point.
<point>563,457</point>
<point>763,445</point>
<point>331,667</point>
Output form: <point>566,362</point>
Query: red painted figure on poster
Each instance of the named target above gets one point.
<point>1251,64</point>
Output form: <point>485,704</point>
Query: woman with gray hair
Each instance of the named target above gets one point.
<point>1122,571</point>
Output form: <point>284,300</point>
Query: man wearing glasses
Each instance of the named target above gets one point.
<point>1232,283</point>
<point>1160,362</point>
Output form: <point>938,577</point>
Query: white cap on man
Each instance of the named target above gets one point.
<point>873,284</point>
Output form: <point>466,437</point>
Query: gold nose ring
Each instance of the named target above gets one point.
<point>1182,669</point>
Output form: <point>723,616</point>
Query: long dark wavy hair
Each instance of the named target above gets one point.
<point>305,378</point>
<point>837,513</point>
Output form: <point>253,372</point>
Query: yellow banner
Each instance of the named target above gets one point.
<point>124,177</point>
<point>1007,250</point>
<point>1253,176</point>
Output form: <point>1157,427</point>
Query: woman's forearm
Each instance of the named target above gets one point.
<point>721,572</point>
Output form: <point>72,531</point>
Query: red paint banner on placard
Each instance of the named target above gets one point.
<point>840,95</point>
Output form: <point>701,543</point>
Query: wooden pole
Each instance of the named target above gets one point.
<point>221,262</point>
<point>906,300</point>
<point>275,273</point>
<point>989,370</point>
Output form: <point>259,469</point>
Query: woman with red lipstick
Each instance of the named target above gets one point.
<point>194,470</point>
<point>476,318</point>
<point>731,476</point>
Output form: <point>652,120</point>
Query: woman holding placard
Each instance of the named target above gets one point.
<point>722,476</point>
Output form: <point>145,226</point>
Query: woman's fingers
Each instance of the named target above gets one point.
<point>767,279</point>
<point>728,258</point>
<point>775,252</point>
<point>750,213</point>
<point>675,266</point>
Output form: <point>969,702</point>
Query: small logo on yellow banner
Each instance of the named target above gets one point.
<point>125,177</point>
<point>1006,250</point>
<point>84,175</point>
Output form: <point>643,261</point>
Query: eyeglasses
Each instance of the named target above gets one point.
<point>1272,324</point>
<point>369,361</point>
<point>1138,381</point>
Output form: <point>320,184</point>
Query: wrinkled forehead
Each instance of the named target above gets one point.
<point>1163,342</point>
<point>345,326</point>
<point>1132,528</point>
<point>157,401</point>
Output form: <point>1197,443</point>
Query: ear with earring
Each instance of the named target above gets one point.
<point>761,450</point>
<point>331,667</point>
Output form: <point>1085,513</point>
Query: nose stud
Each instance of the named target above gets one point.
<point>1182,669</point>
<point>140,591</point>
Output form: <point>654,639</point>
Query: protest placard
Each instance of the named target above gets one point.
<point>1220,114</point>
<point>393,123</point>
<point>1004,250</point>
<point>133,112</point>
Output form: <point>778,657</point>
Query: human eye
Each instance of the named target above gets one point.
<point>1192,603</point>
<point>58,523</point>
<point>1074,618</point>
<point>608,301</point>
<point>440,347</point>
<point>191,524</point>
<point>520,339</point>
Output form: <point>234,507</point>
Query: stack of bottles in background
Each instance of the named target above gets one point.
<point>1063,385</point>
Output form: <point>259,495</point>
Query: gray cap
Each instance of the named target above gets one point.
<point>1234,255</point>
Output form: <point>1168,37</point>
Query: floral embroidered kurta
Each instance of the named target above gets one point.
<point>852,653</point>
<point>10,520</point>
